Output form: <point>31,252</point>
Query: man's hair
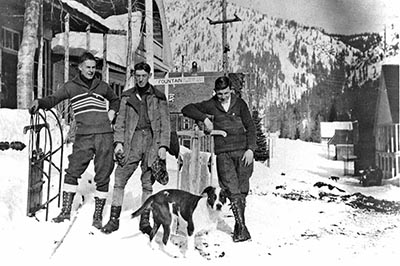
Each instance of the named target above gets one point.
<point>222,83</point>
<point>142,66</point>
<point>86,56</point>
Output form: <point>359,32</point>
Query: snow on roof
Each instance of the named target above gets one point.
<point>328,128</point>
<point>116,44</point>
<point>83,9</point>
<point>116,22</point>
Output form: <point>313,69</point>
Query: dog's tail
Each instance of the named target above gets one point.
<point>146,206</point>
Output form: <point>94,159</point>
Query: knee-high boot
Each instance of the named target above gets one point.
<point>144,223</point>
<point>113,223</point>
<point>240,232</point>
<point>98,212</point>
<point>68,198</point>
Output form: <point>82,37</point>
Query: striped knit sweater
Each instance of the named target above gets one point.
<point>88,104</point>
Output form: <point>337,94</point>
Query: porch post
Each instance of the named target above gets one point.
<point>66,64</point>
<point>88,38</point>
<point>40,59</point>
<point>149,36</point>
<point>105,72</point>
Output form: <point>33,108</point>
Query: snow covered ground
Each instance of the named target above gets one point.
<point>290,223</point>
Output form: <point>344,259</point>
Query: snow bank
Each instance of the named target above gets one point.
<point>288,221</point>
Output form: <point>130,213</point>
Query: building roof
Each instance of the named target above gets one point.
<point>106,8</point>
<point>55,12</point>
<point>341,136</point>
<point>390,74</point>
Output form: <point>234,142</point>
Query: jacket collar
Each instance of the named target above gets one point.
<point>152,91</point>
<point>234,98</point>
<point>133,99</point>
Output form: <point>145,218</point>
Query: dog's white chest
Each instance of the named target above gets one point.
<point>204,217</point>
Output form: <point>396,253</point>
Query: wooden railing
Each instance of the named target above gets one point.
<point>387,145</point>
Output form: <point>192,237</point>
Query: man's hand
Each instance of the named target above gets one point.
<point>208,125</point>
<point>162,153</point>
<point>34,107</point>
<point>119,153</point>
<point>248,157</point>
<point>111,115</point>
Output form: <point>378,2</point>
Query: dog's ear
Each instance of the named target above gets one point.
<point>207,191</point>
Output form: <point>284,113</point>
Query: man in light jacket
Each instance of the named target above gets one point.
<point>142,135</point>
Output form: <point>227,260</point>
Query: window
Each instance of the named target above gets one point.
<point>11,39</point>
<point>186,123</point>
<point>118,88</point>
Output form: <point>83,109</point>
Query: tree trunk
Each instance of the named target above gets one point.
<point>26,54</point>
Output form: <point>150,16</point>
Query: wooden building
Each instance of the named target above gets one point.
<point>387,124</point>
<point>11,25</point>
<point>54,12</point>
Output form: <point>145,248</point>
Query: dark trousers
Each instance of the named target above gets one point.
<point>98,147</point>
<point>233,175</point>
<point>140,147</point>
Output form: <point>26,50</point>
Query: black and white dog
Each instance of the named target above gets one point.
<point>200,212</point>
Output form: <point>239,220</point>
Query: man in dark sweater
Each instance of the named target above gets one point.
<point>225,111</point>
<point>94,133</point>
<point>142,135</point>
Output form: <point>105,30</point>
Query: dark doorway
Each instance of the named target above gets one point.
<point>8,94</point>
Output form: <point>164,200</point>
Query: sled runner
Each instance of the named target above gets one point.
<point>41,162</point>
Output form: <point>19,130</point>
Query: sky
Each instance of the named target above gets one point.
<point>335,16</point>
<point>285,231</point>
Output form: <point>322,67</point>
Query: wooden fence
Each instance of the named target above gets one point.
<point>387,145</point>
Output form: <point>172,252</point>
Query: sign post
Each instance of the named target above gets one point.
<point>178,80</point>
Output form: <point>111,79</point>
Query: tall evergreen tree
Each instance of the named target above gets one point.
<point>261,153</point>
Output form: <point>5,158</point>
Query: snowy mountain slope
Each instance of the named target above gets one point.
<point>258,38</point>
<point>299,73</point>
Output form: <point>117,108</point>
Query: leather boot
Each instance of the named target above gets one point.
<point>240,232</point>
<point>68,198</point>
<point>98,212</point>
<point>144,223</point>
<point>113,223</point>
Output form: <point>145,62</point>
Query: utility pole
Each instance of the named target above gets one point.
<point>225,45</point>
<point>384,41</point>
<point>129,48</point>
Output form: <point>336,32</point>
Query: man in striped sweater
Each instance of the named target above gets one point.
<point>94,134</point>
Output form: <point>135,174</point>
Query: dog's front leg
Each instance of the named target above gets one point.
<point>191,247</point>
